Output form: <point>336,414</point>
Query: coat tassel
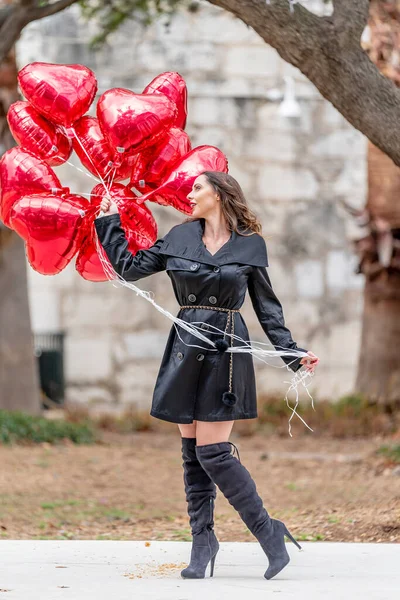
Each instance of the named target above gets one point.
<point>229,398</point>
<point>221,345</point>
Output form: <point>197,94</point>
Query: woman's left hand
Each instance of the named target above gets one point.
<point>310,361</point>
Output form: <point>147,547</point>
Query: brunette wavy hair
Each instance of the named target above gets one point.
<point>233,202</point>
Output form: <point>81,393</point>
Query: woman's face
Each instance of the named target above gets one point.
<point>203,198</point>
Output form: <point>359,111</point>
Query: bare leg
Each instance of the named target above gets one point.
<point>189,430</point>
<point>213,432</point>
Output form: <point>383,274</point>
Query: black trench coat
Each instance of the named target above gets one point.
<point>192,380</point>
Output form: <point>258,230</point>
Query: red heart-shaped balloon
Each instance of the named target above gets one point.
<point>61,93</point>
<point>36,134</point>
<point>95,153</point>
<point>88,263</point>
<point>134,121</point>
<point>154,164</point>
<point>137,221</point>
<point>52,227</point>
<point>173,86</point>
<point>175,189</point>
<point>22,174</point>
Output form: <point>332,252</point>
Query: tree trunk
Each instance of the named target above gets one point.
<point>379,362</point>
<point>378,376</point>
<point>383,188</point>
<point>19,380</point>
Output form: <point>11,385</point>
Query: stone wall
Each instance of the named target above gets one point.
<point>295,173</point>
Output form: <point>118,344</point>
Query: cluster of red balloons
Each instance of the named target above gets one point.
<point>134,137</point>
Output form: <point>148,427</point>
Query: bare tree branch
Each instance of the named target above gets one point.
<point>350,18</point>
<point>11,30</point>
<point>14,18</point>
<point>275,24</point>
<point>39,12</point>
<point>342,72</point>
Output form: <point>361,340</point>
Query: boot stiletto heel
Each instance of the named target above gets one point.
<point>289,535</point>
<point>212,565</point>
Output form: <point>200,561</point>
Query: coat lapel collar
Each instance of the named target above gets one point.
<point>185,241</point>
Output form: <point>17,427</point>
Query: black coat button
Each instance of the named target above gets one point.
<point>180,355</point>
<point>216,269</point>
<point>204,326</point>
<point>212,300</point>
<point>200,356</point>
<point>192,298</point>
<point>194,267</point>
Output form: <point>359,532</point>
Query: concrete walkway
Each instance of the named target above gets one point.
<point>124,570</point>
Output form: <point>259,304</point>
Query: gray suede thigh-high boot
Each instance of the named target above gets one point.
<point>237,485</point>
<point>200,495</point>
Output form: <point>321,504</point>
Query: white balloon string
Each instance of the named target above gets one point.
<point>108,172</point>
<point>68,162</point>
<point>113,170</point>
<point>90,158</point>
<point>99,179</point>
<point>256,349</point>
<point>297,378</point>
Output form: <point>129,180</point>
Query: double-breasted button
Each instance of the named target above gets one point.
<point>194,267</point>
<point>212,300</point>
<point>180,355</point>
<point>216,269</point>
<point>204,326</point>
<point>192,298</point>
<point>200,356</point>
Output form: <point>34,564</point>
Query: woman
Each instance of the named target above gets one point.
<point>212,259</point>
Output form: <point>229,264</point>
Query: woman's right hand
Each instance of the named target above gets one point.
<point>108,206</point>
<point>310,361</point>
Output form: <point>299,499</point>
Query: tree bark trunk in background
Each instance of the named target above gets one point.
<point>19,379</point>
<point>379,366</point>
<point>378,376</point>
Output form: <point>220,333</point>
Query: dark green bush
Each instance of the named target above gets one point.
<point>19,427</point>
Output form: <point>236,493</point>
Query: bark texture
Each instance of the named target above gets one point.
<point>378,375</point>
<point>19,380</point>
<point>379,364</point>
<point>14,16</point>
